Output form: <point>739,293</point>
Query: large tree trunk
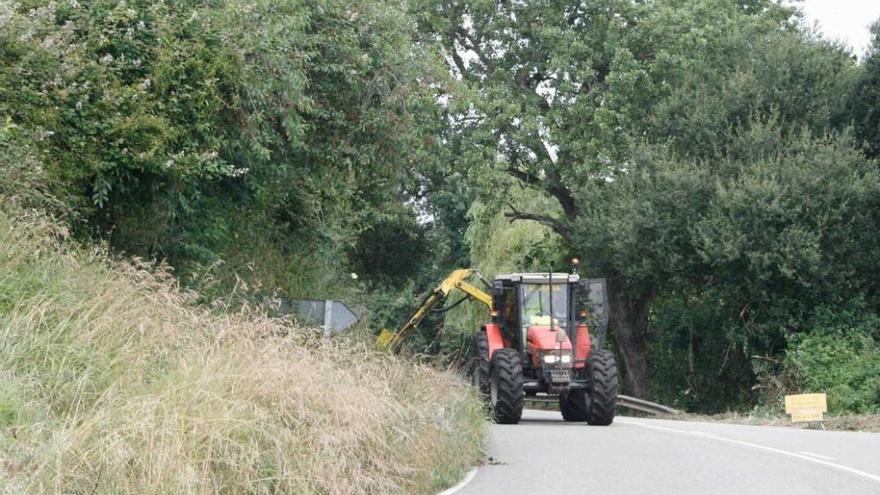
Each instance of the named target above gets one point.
<point>629,319</point>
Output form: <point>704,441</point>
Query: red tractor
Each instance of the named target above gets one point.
<point>537,343</point>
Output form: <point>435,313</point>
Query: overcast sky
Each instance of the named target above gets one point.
<point>846,20</point>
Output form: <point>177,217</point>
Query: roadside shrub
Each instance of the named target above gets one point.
<point>698,360</point>
<point>839,355</point>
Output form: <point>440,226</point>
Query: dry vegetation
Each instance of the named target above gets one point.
<point>112,382</point>
<point>839,422</point>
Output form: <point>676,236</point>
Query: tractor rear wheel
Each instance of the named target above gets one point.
<point>481,364</point>
<point>602,396</point>
<point>573,406</point>
<point>506,386</point>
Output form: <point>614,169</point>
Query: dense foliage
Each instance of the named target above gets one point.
<point>713,159</point>
<point>198,132</point>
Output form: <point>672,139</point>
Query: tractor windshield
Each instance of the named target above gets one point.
<point>536,302</point>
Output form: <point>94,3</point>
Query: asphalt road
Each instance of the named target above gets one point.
<point>544,455</point>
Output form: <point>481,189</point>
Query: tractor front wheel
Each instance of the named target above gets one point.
<point>506,386</point>
<point>602,396</point>
<point>573,406</point>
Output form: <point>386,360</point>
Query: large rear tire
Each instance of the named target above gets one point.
<point>602,397</point>
<point>481,365</point>
<point>506,386</point>
<point>573,406</point>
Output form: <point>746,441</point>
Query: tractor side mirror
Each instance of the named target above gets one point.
<point>497,295</point>
<point>596,290</point>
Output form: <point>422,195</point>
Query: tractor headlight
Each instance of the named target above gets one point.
<point>551,358</point>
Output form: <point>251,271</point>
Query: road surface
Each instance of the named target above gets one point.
<point>544,455</point>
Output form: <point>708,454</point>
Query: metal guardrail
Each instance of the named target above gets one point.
<point>626,401</point>
<point>644,406</point>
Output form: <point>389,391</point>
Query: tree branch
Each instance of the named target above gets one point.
<point>552,186</point>
<point>456,58</point>
<point>527,83</point>
<point>562,193</point>
<point>474,46</point>
<point>522,176</point>
<point>563,230</point>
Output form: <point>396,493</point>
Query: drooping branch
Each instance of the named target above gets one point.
<point>563,230</point>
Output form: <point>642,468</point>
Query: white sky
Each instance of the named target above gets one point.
<point>844,20</point>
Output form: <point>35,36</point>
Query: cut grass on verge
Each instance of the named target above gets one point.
<point>843,422</point>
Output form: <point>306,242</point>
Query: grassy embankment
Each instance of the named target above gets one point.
<point>112,382</point>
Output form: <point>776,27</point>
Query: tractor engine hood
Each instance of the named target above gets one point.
<point>543,338</point>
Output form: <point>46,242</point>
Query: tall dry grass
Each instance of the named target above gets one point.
<point>111,381</point>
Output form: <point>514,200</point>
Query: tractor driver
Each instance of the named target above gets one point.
<point>536,306</point>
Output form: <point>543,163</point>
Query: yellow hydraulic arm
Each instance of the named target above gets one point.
<point>455,280</point>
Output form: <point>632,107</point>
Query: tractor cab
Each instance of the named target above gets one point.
<point>537,310</point>
<point>544,317</point>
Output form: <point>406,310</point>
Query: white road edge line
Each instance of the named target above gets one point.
<point>461,484</point>
<point>816,455</point>
<point>762,447</point>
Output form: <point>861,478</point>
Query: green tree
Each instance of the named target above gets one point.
<point>864,103</point>
<point>741,254</point>
<point>576,101</point>
<point>201,132</point>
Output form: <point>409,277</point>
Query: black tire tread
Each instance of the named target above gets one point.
<point>603,395</point>
<point>573,406</point>
<point>481,370</point>
<point>506,372</point>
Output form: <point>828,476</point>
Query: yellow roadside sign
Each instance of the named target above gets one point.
<point>806,408</point>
